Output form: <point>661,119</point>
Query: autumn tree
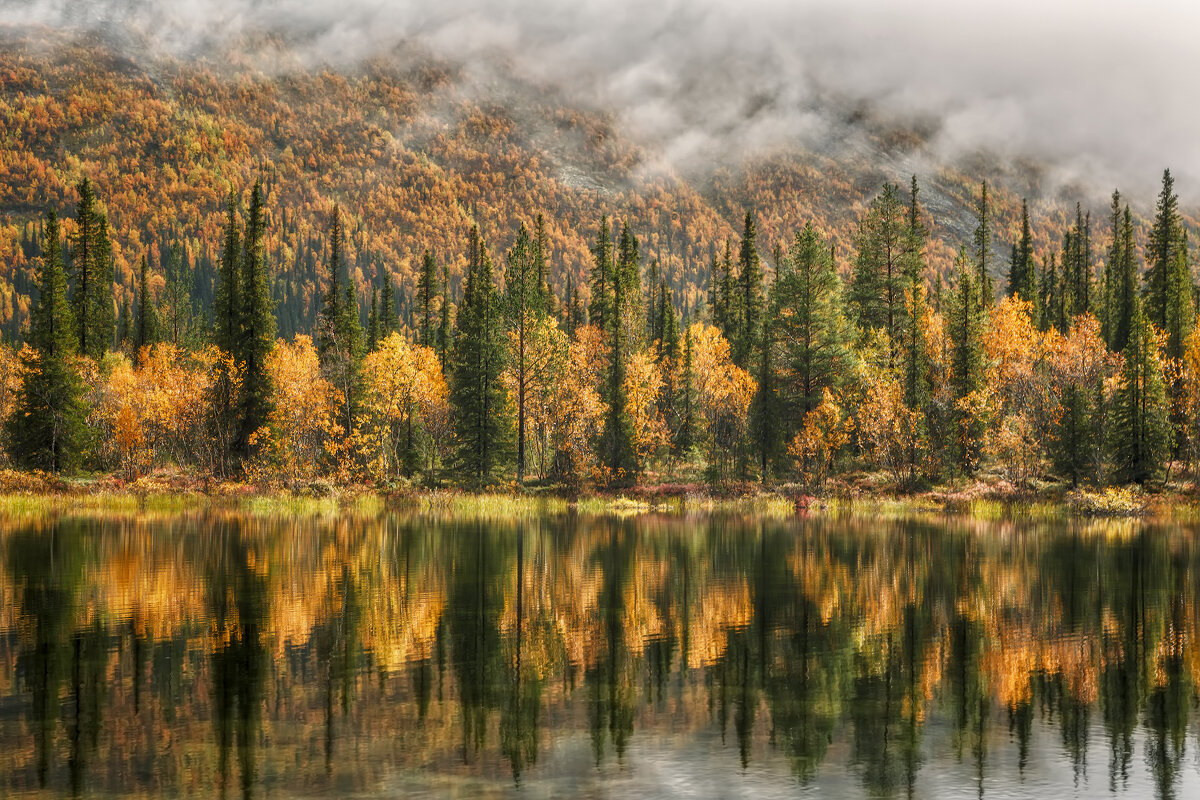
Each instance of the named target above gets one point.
<point>477,395</point>
<point>46,427</point>
<point>723,392</point>
<point>405,400</point>
<point>1078,365</point>
<point>524,307</point>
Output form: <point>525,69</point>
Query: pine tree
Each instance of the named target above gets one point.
<point>752,300</point>
<point>1050,299</point>
<point>178,299</point>
<point>256,328</point>
<point>628,284</point>
<point>125,325</point>
<point>46,430</point>
<point>809,325</point>
<point>445,338</point>
<point>373,321</point>
<point>339,333</point>
<point>1140,434</point>
<point>1022,278</point>
<point>146,330</point>
<point>766,430</point>
<point>477,393</point>
<point>427,292</point>
<point>966,366</point>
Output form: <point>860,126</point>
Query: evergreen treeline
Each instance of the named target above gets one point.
<point>1086,370</point>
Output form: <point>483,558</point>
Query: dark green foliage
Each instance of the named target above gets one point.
<point>445,337</point>
<point>339,333</point>
<point>1077,267</point>
<point>46,428</point>
<point>1165,237</point>
<point>386,317</point>
<point>808,327</point>
<point>628,301</point>
<point>876,285</point>
<point>752,301</point>
<point>373,321</point>
<point>481,420</point>
<point>683,437</point>
<point>965,321</point>
<point>524,307</point>
<point>766,419</point>
<point>1075,439</point>
<point>1140,434</point>
<point>602,279</point>
<point>617,453</point>
<point>1051,300</point>
<point>1022,280</point>
<point>983,245</point>
<point>1122,278</point>
<point>91,259</point>
<point>427,297</point>
<point>256,328</point>
<point>178,326</point>
<point>228,298</point>
<point>146,329</point>
<point>722,306</point>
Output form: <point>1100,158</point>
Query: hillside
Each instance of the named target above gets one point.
<point>416,150</point>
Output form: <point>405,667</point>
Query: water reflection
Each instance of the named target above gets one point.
<point>240,656</point>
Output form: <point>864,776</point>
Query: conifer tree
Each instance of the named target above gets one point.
<point>1140,437</point>
<point>966,366</point>
<point>1022,278</point>
<point>373,321</point>
<point>125,325</point>
<point>616,442</point>
<point>876,286</point>
<point>1124,278</point>
<point>178,298</point>
<point>602,278</point>
<point>445,338</point>
<point>809,325</point>
<point>684,438</point>
<point>387,304</point>
<point>339,332</point>
<point>1050,297</point>
<point>752,300</point>
<point>766,429</point>
<point>256,328</point>
<point>1161,254</point>
<point>427,292</point>
<point>477,394</point>
<point>524,307</point>
<point>45,429</point>
<point>628,283</point>
<point>228,298</point>
<point>91,259</point>
<point>983,245</point>
<point>146,329</point>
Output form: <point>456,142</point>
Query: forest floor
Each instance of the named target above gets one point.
<point>860,494</point>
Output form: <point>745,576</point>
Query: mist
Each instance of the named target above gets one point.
<point>1097,92</point>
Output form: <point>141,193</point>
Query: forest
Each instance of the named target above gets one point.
<point>1081,367</point>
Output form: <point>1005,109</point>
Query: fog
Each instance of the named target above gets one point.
<point>1096,90</point>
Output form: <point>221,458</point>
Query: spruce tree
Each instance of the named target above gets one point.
<point>877,287</point>
<point>965,323</point>
<point>617,453</point>
<point>256,328</point>
<point>387,304</point>
<point>146,329</point>
<point>373,321</point>
<point>1022,278</point>
<point>228,296</point>
<point>809,324</point>
<point>45,429</point>
<point>752,299</point>
<point>445,338</point>
<point>427,293</point>
<point>684,438</point>
<point>339,332</point>
<point>602,278</point>
<point>983,246</point>
<point>179,298</point>
<point>1140,433</point>
<point>1161,254</point>
<point>524,307</point>
<point>91,259</point>
<point>481,420</point>
<point>1123,274</point>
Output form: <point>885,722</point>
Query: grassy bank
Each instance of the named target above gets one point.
<point>24,494</point>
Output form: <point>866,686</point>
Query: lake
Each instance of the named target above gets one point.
<point>215,654</point>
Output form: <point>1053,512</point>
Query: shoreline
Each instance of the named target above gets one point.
<point>25,494</point>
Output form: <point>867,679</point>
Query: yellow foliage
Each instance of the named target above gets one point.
<point>826,430</point>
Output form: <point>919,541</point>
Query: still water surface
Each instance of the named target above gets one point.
<point>209,654</point>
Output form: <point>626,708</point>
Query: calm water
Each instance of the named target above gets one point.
<point>210,655</point>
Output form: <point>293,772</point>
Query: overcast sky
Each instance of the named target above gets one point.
<point>1101,90</point>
